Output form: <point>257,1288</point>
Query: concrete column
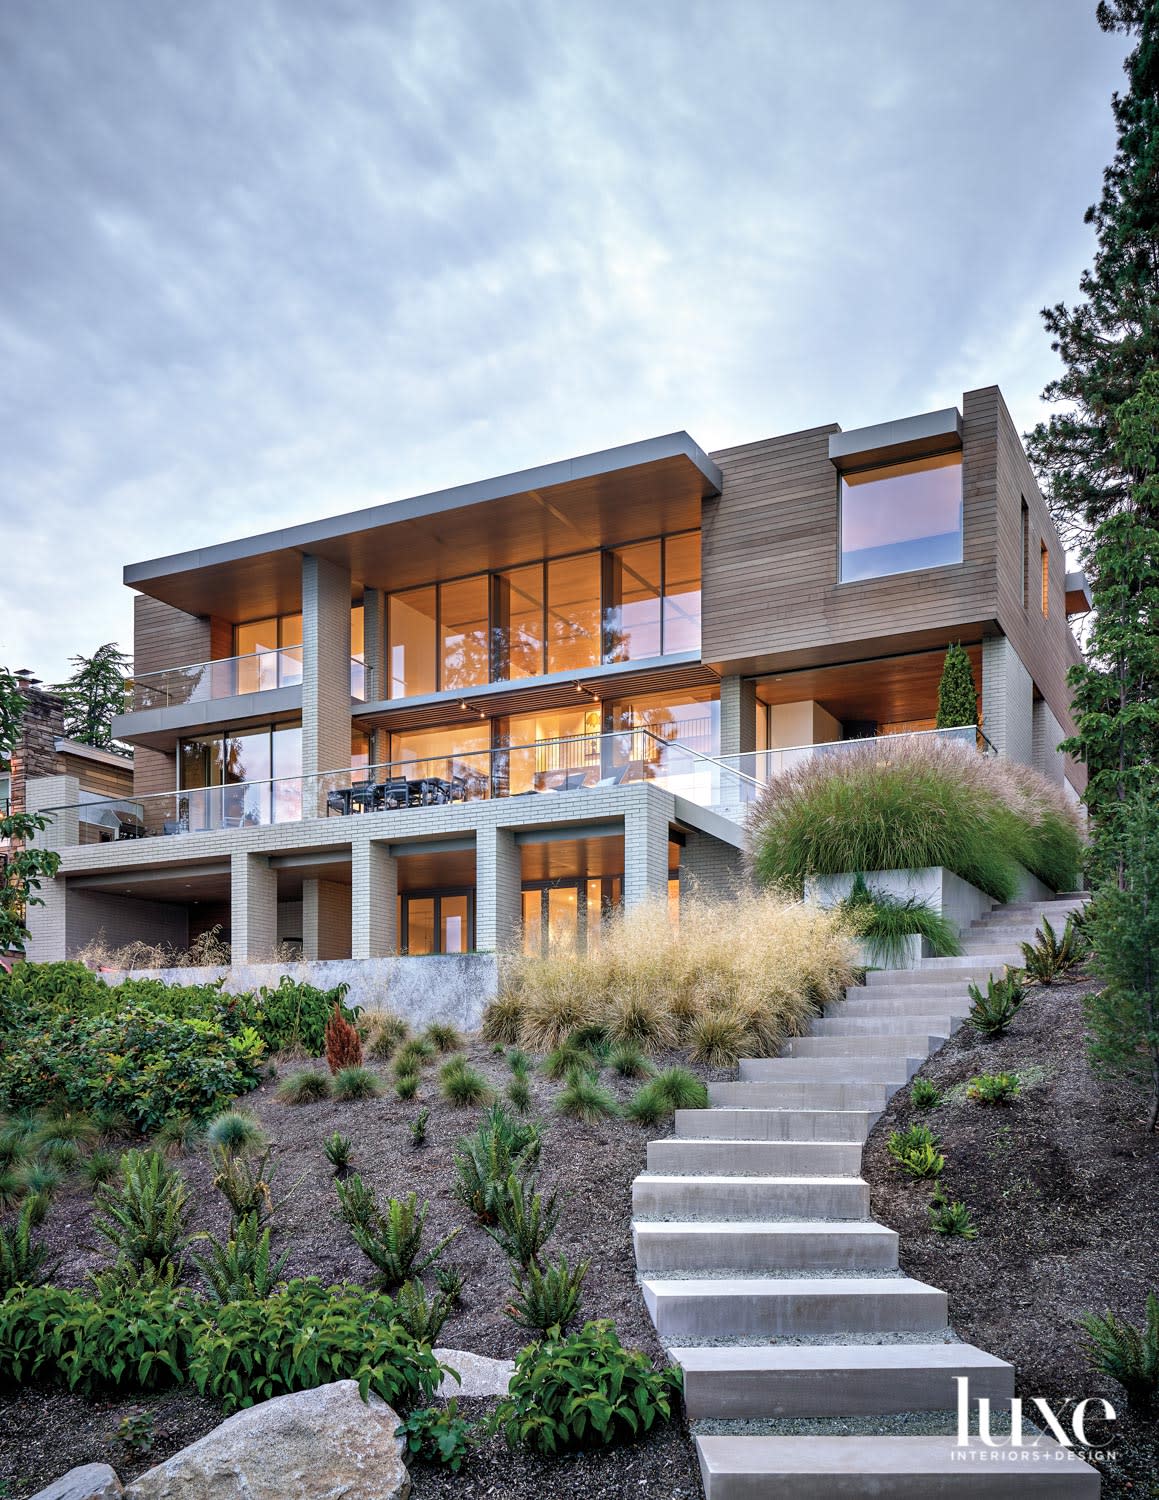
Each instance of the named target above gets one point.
<point>326,919</point>
<point>41,792</point>
<point>325,673</point>
<point>498,900</point>
<point>645,850</point>
<point>1007,700</point>
<point>253,908</point>
<point>1048,735</point>
<point>738,716</point>
<point>374,648</point>
<point>373,902</point>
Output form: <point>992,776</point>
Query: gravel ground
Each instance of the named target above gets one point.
<point>1064,1187</point>
<point>43,1434</point>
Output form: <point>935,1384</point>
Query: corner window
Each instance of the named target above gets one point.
<point>901,517</point>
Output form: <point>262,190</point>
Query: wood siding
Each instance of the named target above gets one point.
<point>166,637</point>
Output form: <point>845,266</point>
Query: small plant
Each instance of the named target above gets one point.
<point>342,1042</point>
<point>307,1086</point>
<point>886,923</point>
<point>569,1057</point>
<point>406,1085</point>
<point>438,1435</point>
<point>443,1037</point>
<point>242,1268</point>
<point>952,1219</point>
<point>1128,1354</point>
<point>246,1183</point>
<point>585,1098</point>
<point>39,1178</point>
<point>449,1280</point>
<point>718,1038</point>
<point>503,1020</point>
<point>101,1166</point>
<point>526,1221</point>
<point>337,1150</point>
<point>462,1085</point>
<point>411,1057</point>
<point>418,1127</point>
<point>180,1135</point>
<point>924,1094</point>
<point>386,1033</point>
<point>519,1062</point>
<point>136,1433</point>
<point>628,1061</point>
<point>673,1089</point>
<point>991,1013</point>
<point>235,1131</point>
<point>519,1094</point>
<point>423,1320</point>
<point>355,1082</point>
<point>390,1238</point>
<point>1049,957</point>
<point>21,1262</point>
<point>584,1391</point>
<point>915,1150</point>
<point>145,1219</point>
<point>994,1088</point>
<point>486,1159</point>
<point>547,1299</point>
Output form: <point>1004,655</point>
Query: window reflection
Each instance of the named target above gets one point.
<point>463,628</point>
<point>901,517</point>
<point>632,604</point>
<point>573,613</point>
<point>412,643</point>
<point>682,592</point>
<point>518,629</point>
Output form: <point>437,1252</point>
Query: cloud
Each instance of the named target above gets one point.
<point>267,262</point>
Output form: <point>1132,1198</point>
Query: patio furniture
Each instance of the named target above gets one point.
<point>366,796</point>
<point>339,801</point>
<point>396,792</point>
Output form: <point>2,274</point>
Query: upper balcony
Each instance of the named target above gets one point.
<point>231,677</point>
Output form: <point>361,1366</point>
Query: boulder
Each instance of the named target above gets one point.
<point>86,1482</point>
<point>480,1376</point>
<point>324,1444</point>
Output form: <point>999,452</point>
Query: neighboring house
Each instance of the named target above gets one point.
<point>491,715</point>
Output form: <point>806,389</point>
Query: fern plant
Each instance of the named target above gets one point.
<point>1049,956</point>
<point>145,1219</point>
<point>245,1182</point>
<point>994,1088</point>
<point>21,1262</point>
<point>526,1221</point>
<point>547,1299</point>
<point>390,1237</point>
<point>485,1160</point>
<point>1128,1354</point>
<point>952,1219</point>
<point>242,1267</point>
<point>338,1149</point>
<point>924,1094</point>
<point>915,1151</point>
<point>421,1318</point>
<point>991,1013</point>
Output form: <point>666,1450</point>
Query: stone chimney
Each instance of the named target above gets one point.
<point>43,724</point>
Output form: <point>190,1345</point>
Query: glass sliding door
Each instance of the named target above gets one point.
<point>437,922</point>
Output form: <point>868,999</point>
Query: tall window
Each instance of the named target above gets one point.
<point>901,517</point>
<point>412,643</point>
<point>240,777</point>
<point>682,592</point>
<point>1044,556</point>
<point>463,633</point>
<point>270,652</point>
<point>632,602</point>
<point>1025,556</point>
<point>573,613</point>
<point>518,624</point>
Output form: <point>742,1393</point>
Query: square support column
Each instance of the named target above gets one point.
<point>1007,700</point>
<point>374,642</point>
<point>326,919</point>
<point>63,831</point>
<point>48,924</point>
<point>374,902</point>
<point>645,852</point>
<point>254,908</point>
<point>498,890</point>
<point>325,671</point>
<point>738,716</point>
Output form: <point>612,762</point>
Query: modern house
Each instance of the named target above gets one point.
<point>490,715</point>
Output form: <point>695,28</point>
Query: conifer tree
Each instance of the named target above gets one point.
<point>94,694</point>
<point>957,691</point>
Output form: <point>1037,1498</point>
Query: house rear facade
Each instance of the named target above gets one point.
<point>488,717</point>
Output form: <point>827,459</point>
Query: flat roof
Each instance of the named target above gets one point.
<point>616,495</point>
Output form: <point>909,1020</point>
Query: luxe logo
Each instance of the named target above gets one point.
<point>1053,1422</point>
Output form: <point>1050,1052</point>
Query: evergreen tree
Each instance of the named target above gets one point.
<point>11,713</point>
<point>957,691</point>
<point>1108,341</point>
<point>96,691</point>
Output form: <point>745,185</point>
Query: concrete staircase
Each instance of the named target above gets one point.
<point>812,1366</point>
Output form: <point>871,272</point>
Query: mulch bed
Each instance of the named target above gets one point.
<point>42,1434</point>
<point>1064,1187</point>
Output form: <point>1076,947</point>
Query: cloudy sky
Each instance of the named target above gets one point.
<point>262,262</point>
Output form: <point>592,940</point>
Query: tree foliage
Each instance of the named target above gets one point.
<point>11,712</point>
<point>21,872</point>
<point>957,690</point>
<point>94,694</point>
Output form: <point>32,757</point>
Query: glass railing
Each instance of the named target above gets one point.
<point>762,765</point>
<point>230,677</point>
<point>547,768</point>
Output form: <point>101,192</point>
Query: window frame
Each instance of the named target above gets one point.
<point>846,473</point>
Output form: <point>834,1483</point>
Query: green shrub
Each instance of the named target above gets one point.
<point>526,1221</point>
<point>519,1094</point>
<point>235,1131</point>
<point>519,1062</point>
<point>355,1083</point>
<point>306,1086</point>
<point>915,1151</point>
<point>292,1015</point>
<point>568,1058</point>
<point>951,1219</point>
<point>994,1088</point>
<point>145,1219</point>
<point>885,922</point>
<point>924,1094</point>
<point>1049,957</point>
<point>179,1135</point>
<point>449,1280</point>
<point>991,1013</point>
<point>438,1435</point>
<point>38,1177</point>
<point>547,1298</point>
<point>585,1390</point>
<point>585,1098</point>
<point>411,1056</point>
<point>423,1320</point>
<point>101,1166</point>
<point>385,1034</point>
<point>443,1037</point>
<point>406,1085</point>
<point>337,1149</point>
<point>673,1089</point>
<point>461,1085</point>
<point>418,1127</point>
<point>242,1267</point>
<point>21,1262</point>
<point>1128,1354</point>
<point>390,1238</point>
<point>957,691</point>
<point>485,1160</point>
<point>629,1062</point>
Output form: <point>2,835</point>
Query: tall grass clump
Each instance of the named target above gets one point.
<point>758,956</point>
<point>898,803</point>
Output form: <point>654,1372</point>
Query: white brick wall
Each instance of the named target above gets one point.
<point>325,666</point>
<point>254,903</point>
<point>1007,700</point>
<point>374,901</point>
<point>738,716</point>
<point>1048,736</point>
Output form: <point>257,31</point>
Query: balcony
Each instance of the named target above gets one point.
<point>231,677</point>
<point>760,766</point>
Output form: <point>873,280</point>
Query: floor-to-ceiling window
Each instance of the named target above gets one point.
<point>239,778</point>
<point>437,922</point>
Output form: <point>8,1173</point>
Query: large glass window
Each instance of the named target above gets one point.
<point>573,613</point>
<point>224,780</point>
<point>691,716</point>
<point>901,517</point>
<point>552,749</point>
<point>439,923</point>
<point>632,603</point>
<point>518,625</point>
<point>682,592</point>
<point>463,632</point>
<point>412,643</point>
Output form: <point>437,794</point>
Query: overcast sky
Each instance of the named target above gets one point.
<point>265,261</point>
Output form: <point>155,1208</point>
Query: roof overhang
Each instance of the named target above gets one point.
<point>894,442</point>
<point>599,499</point>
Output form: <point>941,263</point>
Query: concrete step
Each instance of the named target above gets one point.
<point>882,1042</point>
<point>823,1380</point>
<point>803,1095</point>
<point>885,1003</point>
<point>755,1158</point>
<point>806,1245</point>
<point>888,1468</point>
<point>776,1124</point>
<point>886,1025</point>
<point>963,971</point>
<point>937,993</point>
<point>1033,911</point>
<point>792,1307</point>
<point>667,1196</point>
<point>887,1070</point>
<point>1010,932</point>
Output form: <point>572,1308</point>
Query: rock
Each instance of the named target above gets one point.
<point>324,1444</point>
<point>481,1376</point>
<point>87,1482</point>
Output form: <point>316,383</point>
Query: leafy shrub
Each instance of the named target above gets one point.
<point>924,1094</point>
<point>718,1038</point>
<point>391,1239</point>
<point>526,1221</point>
<point>548,1298</point>
<point>519,1094</point>
<point>915,1151</point>
<point>423,1320</point>
<point>343,1044</point>
<point>385,1034</point>
<point>306,1086</point>
<point>951,1219</point>
<point>485,1160</point>
<point>355,1082</point>
<point>585,1098</point>
<point>337,1150</point>
<point>438,1435</point>
<point>1128,1354</point>
<point>443,1037</point>
<point>1049,957</point>
<point>234,1131</point>
<point>242,1267</point>
<point>886,921</point>
<point>991,1013</point>
<point>418,1127</point>
<point>462,1085</point>
<point>21,1262</point>
<point>136,1433</point>
<point>629,1062</point>
<point>406,1085</point>
<point>292,1016</point>
<point>145,1219</point>
<point>899,803</point>
<point>585,1390</point>
<point>994,1088</point>
<point>567,1058</point>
